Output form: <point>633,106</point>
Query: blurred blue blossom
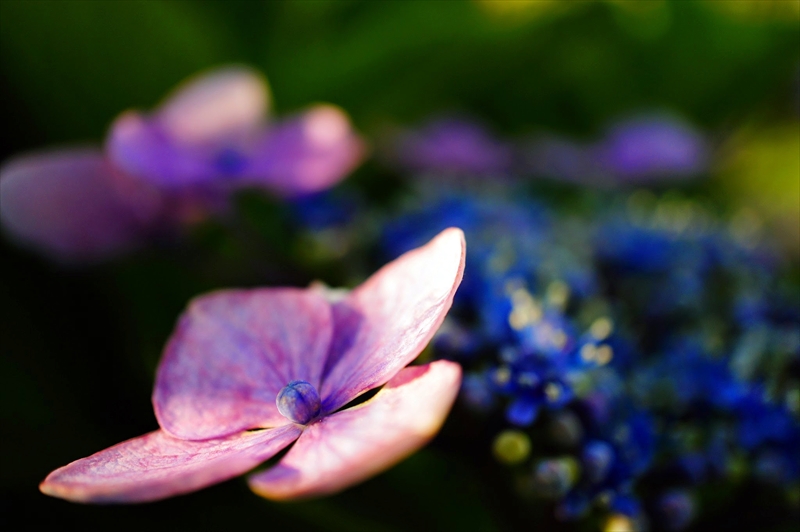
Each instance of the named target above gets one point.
<point>641,341</point>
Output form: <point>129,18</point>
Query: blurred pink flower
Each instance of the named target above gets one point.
<point>173,168</point>
<point>239,378</point>
<point>214,129</point>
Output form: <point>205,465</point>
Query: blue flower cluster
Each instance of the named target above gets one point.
<point>641,343</point>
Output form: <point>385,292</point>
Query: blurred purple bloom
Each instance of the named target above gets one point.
<point>248,372</point>
<point>215,130</point>
<point>649,148</point>
<point>173,167</point>
<point>636,150</point>
<point>453,146</point>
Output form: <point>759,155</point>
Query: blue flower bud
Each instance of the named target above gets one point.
<point>522,412</point>
<point>597,457</point>
<point>299,402</point>
<point>475,390</point>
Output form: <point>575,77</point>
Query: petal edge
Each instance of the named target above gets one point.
<point>384,323</point>
<point>156,466</point>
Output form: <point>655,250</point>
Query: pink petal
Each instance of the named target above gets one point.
<point>66,204</point>
<point>355,444</point>
<point>308,153</point>
<point>216,104</point>
<point>231,354</point>
<point>156,466</point>
<point>388,320</point>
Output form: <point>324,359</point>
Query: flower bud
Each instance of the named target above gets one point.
<point>299,402</point>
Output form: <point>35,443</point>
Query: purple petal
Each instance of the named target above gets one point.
<point>454,146</point>
<point>200,133</point>
<point>184,182</point>
<point>230,355</point>
<point>308,153</point>
<point>305,154</point>
<point>215,105</point>
<point>213,132</point>
<point>386,322</point>
<point>355,444</point>
<point>142,148</point>
<point>66,204</point>
<point>156,466</point>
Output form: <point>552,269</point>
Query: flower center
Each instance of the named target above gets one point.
<point>299,402</point>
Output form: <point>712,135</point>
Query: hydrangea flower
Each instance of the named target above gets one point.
<point>214,130</point>
<point>172,167</point>
<point>651,147</point>
<point>453,146</point>
<point>645,346</point>
<point>640,149</point>
<point>248,372</point>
